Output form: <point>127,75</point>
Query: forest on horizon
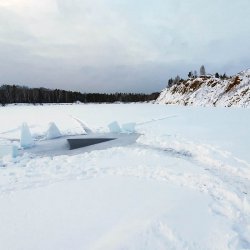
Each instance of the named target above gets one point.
<point>21,94</point>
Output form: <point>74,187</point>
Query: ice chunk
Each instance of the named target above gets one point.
<point>128,127</point>
<point>53,131</point>
<point>84,126</point>
<point>26,140</point>
<point>11,150</point>
<point>5,150</point>
<point>14,152</point>
<point>114,127</point>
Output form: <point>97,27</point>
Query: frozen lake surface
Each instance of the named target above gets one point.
<point>182,181</point>
<point>78,144</point>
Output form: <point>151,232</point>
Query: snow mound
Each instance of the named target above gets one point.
<point>53,131</point>
<point>26,140</point>
<point>210,91</point>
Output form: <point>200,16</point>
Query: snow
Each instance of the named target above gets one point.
<point>107,213</point>
<point>181,182</point>
<point>53,131</point>
<point>210,92</point>
<point>26,140</point>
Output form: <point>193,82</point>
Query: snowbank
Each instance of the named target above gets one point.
<point>210,91</point>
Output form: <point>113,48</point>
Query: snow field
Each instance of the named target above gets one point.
<point>183,185</point>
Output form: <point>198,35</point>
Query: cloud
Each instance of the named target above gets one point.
<point>112,45</point>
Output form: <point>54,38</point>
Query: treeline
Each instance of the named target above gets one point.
<point>22,94</point>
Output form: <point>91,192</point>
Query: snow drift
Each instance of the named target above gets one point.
<point>210,91</point>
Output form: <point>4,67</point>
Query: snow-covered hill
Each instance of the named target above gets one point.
<point>210,91</point>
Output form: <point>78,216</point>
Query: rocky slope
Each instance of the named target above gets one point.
<point>210,91</point>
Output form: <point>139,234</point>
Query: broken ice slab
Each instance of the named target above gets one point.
<point>129,127</point>
<point>53,131</point>
<point>26,140</point>
<point>114,127</point>
<point>8,150</point>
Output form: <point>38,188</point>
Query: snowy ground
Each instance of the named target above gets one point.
<point>184,184</point>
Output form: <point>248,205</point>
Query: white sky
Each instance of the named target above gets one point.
<point>120,45</point>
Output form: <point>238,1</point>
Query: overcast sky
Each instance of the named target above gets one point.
<point>120,45</point>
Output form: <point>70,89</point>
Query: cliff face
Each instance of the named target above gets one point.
<point>210,91</point>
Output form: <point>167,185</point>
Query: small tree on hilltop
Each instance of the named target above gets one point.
<point>217,75</point>
<point>170,82</point>
<point>190,74</point>
<point>224,76</point>
<point>202,70</point>
<point>177,79</point>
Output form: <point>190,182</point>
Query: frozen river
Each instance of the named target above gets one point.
<point>182,181</point>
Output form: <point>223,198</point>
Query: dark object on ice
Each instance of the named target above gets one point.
<point>80,143</point>
<point>95,141</point>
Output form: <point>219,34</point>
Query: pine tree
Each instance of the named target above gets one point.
<point>190,74</point>
<point>177,80</point>
<point>170,82</point>
<point>202,70</point>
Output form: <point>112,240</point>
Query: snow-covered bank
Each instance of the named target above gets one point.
<point>210,91</point>
<point>183,185</point>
